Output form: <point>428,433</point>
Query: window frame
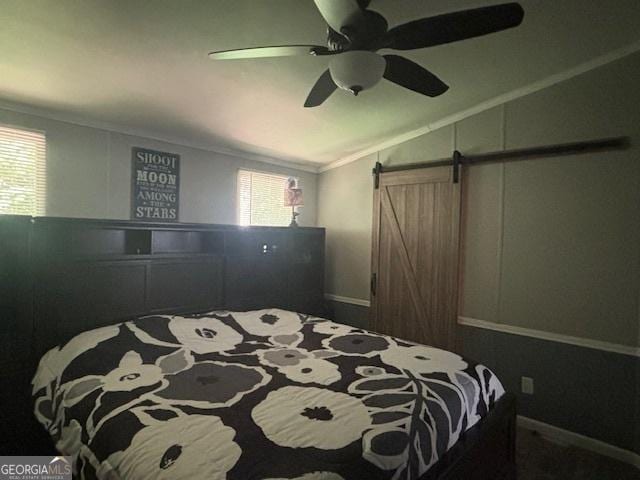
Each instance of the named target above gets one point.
<point>41,168</point>
<point>238,192</point>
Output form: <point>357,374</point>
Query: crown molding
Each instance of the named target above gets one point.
<point>489,104</point>
<point>291,163</point>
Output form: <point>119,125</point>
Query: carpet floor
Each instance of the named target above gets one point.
<point>539,459</point>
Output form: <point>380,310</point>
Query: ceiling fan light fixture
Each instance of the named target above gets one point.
<point>357,70</point>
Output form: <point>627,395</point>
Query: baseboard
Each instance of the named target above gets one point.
<point>353,301</point>
<point>565,437</point>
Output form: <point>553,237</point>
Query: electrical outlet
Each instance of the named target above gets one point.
<point>527,385</point>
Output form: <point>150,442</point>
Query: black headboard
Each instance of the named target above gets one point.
<point>89,273</point>
<point>16,319</point>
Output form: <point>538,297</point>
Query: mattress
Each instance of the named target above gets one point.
<point>268,394</point>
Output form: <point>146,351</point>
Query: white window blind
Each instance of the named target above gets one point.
<point>22,172</point>
<point>261,199</point>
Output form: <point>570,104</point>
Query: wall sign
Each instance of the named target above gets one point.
<point>155,179</point>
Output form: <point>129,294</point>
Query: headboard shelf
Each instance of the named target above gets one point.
<point>109,241</point>
<point>72,237</point>
<point>189,242</point>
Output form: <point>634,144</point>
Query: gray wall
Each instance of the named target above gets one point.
<point>348,314</point>
<point>89,174</point>
<point>549,245</point>
<point>345,195</point>
<point>583,390</point>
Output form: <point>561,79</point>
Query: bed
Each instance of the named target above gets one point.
<point>269,394</point>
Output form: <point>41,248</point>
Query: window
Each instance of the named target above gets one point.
<point>261,199</point>
<point>22,171</point>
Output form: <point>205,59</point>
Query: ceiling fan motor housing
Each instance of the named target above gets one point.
<point>357,70</point>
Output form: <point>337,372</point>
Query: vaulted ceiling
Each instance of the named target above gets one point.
<point>142,65</point>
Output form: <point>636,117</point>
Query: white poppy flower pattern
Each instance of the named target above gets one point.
<point>198,396</point>
<point>300,417</point>
<point>204,335</point>
<point>175,448</point>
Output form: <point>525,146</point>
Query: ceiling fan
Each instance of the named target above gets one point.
<point>355,34</point>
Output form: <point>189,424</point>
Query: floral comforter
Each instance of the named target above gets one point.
<point>268,394</point>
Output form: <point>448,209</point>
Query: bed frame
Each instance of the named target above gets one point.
<point>88,273</point>
<point>487,451</point>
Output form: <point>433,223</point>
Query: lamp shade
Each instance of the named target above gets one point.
<point>293,194</point>
<point>293,197</point>
<point>357,70</point>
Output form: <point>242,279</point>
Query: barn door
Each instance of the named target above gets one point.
<point>415,256</point>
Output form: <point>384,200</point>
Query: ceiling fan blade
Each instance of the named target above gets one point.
<point>451,27</point>
<point>340,13</point>
<point>273,51</point>
<point>322,90</point>
<point>410,75</point>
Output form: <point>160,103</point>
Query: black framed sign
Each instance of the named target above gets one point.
<point>155,180</point>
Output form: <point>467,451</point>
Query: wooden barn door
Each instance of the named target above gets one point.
<point>415,256</point>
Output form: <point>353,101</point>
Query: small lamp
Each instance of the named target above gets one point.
<point>293,199</point>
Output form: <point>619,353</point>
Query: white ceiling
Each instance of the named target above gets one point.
<point>142,65</point>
